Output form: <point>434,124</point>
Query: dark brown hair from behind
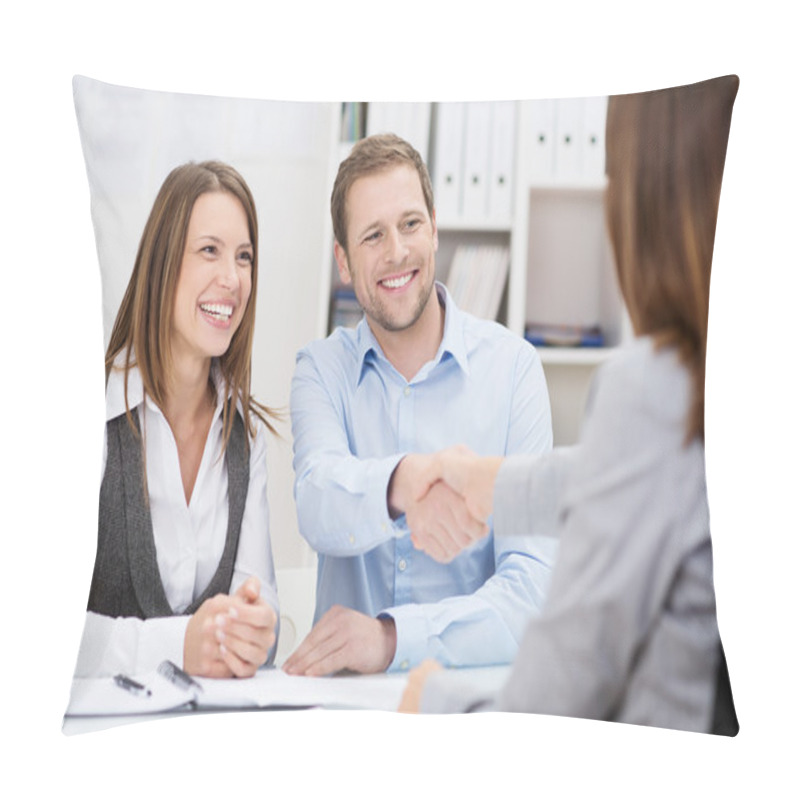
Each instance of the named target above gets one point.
<point>665,155</point>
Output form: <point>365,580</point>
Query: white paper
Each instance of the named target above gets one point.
<point>103,697</point>
<point>268,688</point>
<point>274,688</point>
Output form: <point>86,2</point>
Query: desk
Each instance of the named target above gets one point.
<point>268,689</point>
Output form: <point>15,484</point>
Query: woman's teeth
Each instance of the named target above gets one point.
<point>218,310</point>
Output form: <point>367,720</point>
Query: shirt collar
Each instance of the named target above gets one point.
<point>452,344</point>
<point>115,388</point>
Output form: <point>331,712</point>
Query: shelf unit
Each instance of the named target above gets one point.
<point>561,268</point>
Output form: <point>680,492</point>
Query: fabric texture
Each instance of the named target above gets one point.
<point>126,581</point>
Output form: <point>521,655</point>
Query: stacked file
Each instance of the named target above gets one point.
<point>564,335</point>
<point>473,166</point>
<point>567,140</point>
<point>477,278</point>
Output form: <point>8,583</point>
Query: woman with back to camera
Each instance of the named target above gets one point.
<point>184,566</point>
<point>629,630</point>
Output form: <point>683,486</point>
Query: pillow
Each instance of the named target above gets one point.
<point>509,222</point>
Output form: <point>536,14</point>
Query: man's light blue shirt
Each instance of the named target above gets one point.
<point>354,417</point>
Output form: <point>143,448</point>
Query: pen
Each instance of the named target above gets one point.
<point>130,685</point>
<point>176,675</point>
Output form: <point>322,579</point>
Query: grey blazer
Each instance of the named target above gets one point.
<point>629,630</point>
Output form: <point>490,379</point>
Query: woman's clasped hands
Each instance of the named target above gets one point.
<point>230,635</point>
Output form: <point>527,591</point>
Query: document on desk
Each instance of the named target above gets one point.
<point>274,688</point>
<point>106,697</point>
<point>268,688</point>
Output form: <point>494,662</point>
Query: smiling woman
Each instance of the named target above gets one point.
<point>184,567</point>
<point>215,279</point>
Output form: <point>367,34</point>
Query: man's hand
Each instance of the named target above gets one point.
<point>412,694</point>
<point>441,524</point>
<point>439,519</point>
<point>411,480</point>
<point>345,639</point>
<point>471,476</point>
<point>230,635</point>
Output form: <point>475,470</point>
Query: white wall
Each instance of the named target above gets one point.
<point>133,138</point>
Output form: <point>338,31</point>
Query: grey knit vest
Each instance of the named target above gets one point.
<point>126,581</point>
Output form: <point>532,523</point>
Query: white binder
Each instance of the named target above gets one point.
<point>594,138</point>
<point>569,127</point>
<point>503,141</point>
<point>410,121</point>
<point>475,188</point>
<point>448,160</point>
<point>542,152</point>
<point>418,116</point>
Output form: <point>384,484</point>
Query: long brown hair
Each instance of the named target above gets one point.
<point>665,154</point>
<point>144,320</point>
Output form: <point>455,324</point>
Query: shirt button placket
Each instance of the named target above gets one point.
<point>405,420</point>
<point>402,571</point>
<point>403,546</point>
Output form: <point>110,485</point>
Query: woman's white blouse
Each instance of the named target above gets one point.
<point>189,538</point>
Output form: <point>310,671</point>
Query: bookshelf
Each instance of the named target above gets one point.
<point>527,176</point>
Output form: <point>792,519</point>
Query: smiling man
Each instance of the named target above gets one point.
<point>370,407</point>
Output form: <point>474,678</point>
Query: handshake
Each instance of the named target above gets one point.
<point>446,497</point>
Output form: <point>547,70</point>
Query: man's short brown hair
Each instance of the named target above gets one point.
<point>371,155</point>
